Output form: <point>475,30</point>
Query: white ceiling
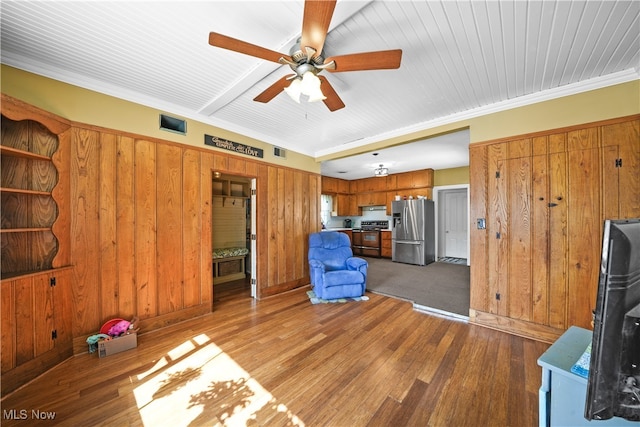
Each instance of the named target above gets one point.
<point>460,59</point>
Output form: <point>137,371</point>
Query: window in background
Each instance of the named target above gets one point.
<point>326,203</point>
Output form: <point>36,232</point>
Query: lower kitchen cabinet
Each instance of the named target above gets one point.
<point>385,250</point>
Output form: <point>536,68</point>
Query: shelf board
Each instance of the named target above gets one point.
<point>225,196</point>
<point>14,152</point>
<point>21,191</point>
<point>25,230</point>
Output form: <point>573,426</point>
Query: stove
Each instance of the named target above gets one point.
<point>374,225</point>
<point>366,240</point>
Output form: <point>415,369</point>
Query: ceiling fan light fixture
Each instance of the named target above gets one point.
<point>381,171</point>
<point>310,86</point>
<point>294,90</point>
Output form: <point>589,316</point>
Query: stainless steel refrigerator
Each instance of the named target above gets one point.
<point>413,232</point>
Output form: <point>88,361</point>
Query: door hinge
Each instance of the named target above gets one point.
<point>618,163</point>
<point>253,281</point>
<point>254,192</point>
<point>54,334</point>
<point>498,296</point>
<point>497,174</point>
<point>498,235</point>
<point>253,237</point>
<point>52,281</point>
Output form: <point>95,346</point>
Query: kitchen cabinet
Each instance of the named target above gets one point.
<point>349,196</point>
<point>349,233</point>
<point>371,184</point>
<point>329,185</point>
<point>378,198</point>
<point>346,205</point>
<point>543,198</point>
<point>335,185</point>
<point>343,186</point>
<point>415,179</point>
<point>385,248</point>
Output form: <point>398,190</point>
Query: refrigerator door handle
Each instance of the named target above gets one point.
<point>408,242</point>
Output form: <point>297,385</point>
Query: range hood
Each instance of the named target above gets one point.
<point>374,208</point>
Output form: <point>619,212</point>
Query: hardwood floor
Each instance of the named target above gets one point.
<point>283,361</point>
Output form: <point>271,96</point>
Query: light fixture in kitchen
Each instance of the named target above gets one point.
<point>381,171</point>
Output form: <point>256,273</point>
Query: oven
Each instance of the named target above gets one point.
<point>366,241</point>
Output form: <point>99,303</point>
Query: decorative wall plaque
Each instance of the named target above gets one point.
<point>236,147</point>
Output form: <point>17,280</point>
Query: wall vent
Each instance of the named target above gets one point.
<point>172,124</point>
<point>279,152</point>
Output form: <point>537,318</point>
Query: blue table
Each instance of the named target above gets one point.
<point>563,393</point>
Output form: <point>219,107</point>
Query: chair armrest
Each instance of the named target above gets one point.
<point>355,263</point>
<point>316,273</point>
<point>314,263</point>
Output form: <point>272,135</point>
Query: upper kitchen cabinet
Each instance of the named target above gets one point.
<point>365,185</point>
<point>378,198</point>
<point>346,205</point>
<point>415,179</point>
<point>329,185</point>
<point>335,185</point>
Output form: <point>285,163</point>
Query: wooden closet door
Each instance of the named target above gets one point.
<point>497,229</point>
<point>584,224</point>
<point>519,192</point>
<point>621,170</point>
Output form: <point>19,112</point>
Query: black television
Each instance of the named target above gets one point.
<point>613,383</point>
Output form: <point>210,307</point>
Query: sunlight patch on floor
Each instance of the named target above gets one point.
<point>196,383</point>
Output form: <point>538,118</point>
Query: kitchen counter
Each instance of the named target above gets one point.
<point>337,229</point>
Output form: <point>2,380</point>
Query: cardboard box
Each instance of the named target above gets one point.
<point>118,344</point>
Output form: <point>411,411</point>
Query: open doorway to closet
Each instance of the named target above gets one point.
<point>233,225</point>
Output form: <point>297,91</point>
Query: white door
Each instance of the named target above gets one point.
<point>455,223</point>
<point>254,281</point>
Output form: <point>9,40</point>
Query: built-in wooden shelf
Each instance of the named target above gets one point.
<point>22,191</point>
<point>14,152</point>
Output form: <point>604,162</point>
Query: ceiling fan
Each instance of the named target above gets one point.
<point>306,58</point>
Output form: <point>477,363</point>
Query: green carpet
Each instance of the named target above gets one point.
<point>315,300</point>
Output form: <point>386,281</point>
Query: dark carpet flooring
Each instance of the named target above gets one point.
<point>440,285</point>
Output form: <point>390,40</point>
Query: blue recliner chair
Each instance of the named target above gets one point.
<point>335,272</point>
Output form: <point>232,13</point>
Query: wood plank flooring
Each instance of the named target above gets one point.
<point>282,361</point>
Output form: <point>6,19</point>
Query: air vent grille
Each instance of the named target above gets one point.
<point>280,152</point>
<point>173,124</point>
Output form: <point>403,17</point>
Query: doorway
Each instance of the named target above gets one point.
<point>233,237</point>
<point>452,222</point>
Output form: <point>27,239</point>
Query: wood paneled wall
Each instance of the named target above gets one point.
<point>534,269</point>
<point>141,227</point>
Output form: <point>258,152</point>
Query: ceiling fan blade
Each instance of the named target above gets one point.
<point>226,42</point>
<point>272,91</point>
<point>315,23</point>
<point>379,60</point>
<point>333,101</point>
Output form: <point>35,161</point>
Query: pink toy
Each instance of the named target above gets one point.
<point>119,328</point>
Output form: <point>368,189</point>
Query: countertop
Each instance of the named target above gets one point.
<point>346,229</point>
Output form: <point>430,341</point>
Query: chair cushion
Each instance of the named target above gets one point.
<point>342,277</point>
